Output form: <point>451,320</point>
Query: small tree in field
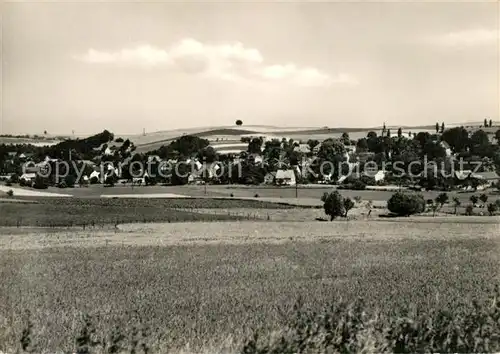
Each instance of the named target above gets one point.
<point>348,205</point>
<point>406,204</point>
<point>442,199</point>
<point>333,204</point>
<point>492,208</point>
<point>239,122</point>
<point>483,198</point>
<point>434,208</point>
<point>456,204</point>
<point>469,209</point>
<point>473,199</point>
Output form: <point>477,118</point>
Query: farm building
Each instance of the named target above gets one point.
<point>285,178</point>
<point>28,178</point>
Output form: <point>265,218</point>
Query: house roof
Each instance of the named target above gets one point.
<point>285,174</point>
<point>28,176</point>
<point>303,148</point>
<point>488,175</point>
<point>445,144</point>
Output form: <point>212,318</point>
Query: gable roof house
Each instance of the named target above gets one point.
<point>302,148</point>
<point>285,177</point>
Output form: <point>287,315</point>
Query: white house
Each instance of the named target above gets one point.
<point>285,177</point>
<point>446,148</point>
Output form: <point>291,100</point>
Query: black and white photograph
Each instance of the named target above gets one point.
<point>249,177</point>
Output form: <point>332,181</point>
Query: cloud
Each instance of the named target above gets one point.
<point>471,37</point>
<point>229,61</point>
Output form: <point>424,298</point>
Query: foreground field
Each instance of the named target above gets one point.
<point>207,286</point>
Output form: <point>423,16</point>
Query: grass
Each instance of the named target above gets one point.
<point>209,297</point>
<point>91,211</point>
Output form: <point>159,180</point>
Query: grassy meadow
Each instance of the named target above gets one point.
<point>159,292</point>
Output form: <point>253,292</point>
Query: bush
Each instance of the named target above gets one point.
<point>10,193</point>
<point>8,184</point>
<point>256,195</point>
<point>333,204</point>
<point>70,181</point>
<point>405,204</point>
<point>492,208</point>
<point>231,195</point>
<point>119,140</point>
<point>41,182</point>
<point>469,209</point>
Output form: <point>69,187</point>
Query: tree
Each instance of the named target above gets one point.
<point>400,132</point>
<point>362,145</point>
<point>483,198</point>
<point>457,138</point>
<point>437,127</point>
<point>239,122</point>
<point>348,205</point>
<point>492,208</point>
<point>473,199</point>
<point>405,204</point>
<point>491,123</point>
<point>442,127</point>
<point>456,204</point>
<point>333,204</point>
<point>469,209</point>
<point>485,122</point>
<point>255,146</point>
<point>442,199</point>
<point>434,207</point>
<point>372,134</point>
<point>497,136</point>
<point>345,138</point>
<point>388,133</point>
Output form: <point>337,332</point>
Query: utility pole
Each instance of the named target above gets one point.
<point>296,190</point>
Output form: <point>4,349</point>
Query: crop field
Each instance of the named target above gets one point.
<point>96,211</point>
<point>214,291</point>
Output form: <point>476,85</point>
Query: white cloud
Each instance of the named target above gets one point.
<point>471,37</point>
<point>229,61</point>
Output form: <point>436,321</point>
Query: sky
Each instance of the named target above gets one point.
<point>125,67</point>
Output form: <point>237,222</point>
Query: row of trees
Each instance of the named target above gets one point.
<point>405,204</point>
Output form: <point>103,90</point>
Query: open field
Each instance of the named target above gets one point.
<point>204,286</point>
<point>99,212</point>
<point>240,191</point>
<point>230,135</point>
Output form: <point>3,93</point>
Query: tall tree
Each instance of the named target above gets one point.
<point>437,127</point>
<point>388,133</point>
<point>345,138</point>
<point>485,122</point>
<point>491,123</point>
<point>400,132</point>
<point>442,127</point>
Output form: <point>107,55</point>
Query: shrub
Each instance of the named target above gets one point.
<point>405,204</point>
<point>70,181</point>
<point>8,184</point>
<point>492,208</point>
<point>231,195</point>
<point>469,209</point>
<point>10,193</point>
<point>348,205</point>
<point>442,199</point>
<point>483,198</point>
<point>333,204</point>
<point>119,140</point>
<point>41,182</point>
<point>256,195</point>
<point>14,178</point>
<point>473,199</point>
